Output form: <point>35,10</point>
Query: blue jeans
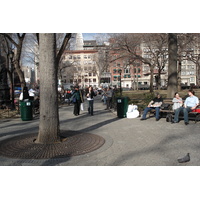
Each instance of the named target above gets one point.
<point>147,109</point>
<point>185,112</point>
<point>90,106</point>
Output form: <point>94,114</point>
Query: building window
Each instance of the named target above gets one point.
<point>191,72</point>
<point>127,70</point>
<point>94,80</point>
<point>90,74</point>
<point>192,79</point>
<point>183,73</point>
<point>70,57</point>
<point>85,56</point>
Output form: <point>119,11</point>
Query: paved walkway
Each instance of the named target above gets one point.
<point>129,142</point>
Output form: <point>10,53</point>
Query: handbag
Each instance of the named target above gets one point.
<point>82,108</point>
<point>74,100</point>
<point>165,106</point>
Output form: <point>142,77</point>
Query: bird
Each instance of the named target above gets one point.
<point>184,159</point>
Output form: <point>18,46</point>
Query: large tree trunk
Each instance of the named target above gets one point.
<point>159,79</point>
<point>49,118</point>
<point>179,75</point>
<point>172,68</point>
<point>198,73</point>
<point>151,78</point>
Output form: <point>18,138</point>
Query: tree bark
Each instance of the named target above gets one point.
<point>172,68</point>
<point>49,117</point>
<point>151,78</point>
<point>179,75</point>
<point>17,56</point>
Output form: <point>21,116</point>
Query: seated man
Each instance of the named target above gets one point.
<point>190,104</point>
<point>154,104</point>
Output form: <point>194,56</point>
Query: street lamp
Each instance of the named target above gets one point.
<point>120,81</point>
<point>11,56</point>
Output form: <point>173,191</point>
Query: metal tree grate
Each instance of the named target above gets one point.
<point>76,143</point>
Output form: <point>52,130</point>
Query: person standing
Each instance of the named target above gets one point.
<point>90,97</point>
<point>109,95</point>
<point>77,99</point>
<point>25,94</point>
<point>190,104</point>
<point>104,96</point>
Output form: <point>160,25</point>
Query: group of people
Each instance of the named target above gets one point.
<point>78,97</point>
<point>191,103</point>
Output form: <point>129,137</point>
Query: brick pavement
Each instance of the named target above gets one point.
<point>129,142</point>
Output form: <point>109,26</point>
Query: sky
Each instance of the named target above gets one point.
<point>89,36</point>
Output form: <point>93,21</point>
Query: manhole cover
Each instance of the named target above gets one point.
<point>77,143</point>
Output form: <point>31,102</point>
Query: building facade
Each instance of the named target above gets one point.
<point>85,69</point>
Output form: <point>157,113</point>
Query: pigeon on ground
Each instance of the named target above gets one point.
<point>184,159</point>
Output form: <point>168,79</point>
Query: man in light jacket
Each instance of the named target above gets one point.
<point>190,104</point>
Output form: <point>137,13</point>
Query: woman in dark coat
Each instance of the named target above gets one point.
<point>90,97</point>
<point>77,99</point>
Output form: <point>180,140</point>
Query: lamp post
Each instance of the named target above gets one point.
<point>11,56</point>
<point>120,81</point>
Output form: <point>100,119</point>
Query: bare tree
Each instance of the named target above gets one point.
<point>66,68</point>
<point>157,51</point>
<point>184,41</point>
<point>192,53</point>
<point>128,45</point>
<point>17,41</point>
<point>7,51</point>
<point>101,61</point>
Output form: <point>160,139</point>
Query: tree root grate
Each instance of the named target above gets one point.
<point>76,143</point>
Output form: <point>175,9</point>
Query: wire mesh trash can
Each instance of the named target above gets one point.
<point>122,106</point>
<point>26,110</point>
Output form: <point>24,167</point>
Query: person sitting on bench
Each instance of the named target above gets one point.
<point>154,104</point>
<point>190,104</point>
<point>177,100</point>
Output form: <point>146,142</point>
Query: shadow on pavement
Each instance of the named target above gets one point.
<point>159,149</point>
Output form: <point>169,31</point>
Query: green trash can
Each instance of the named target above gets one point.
<point>122,106</point>
<point>26,110</point>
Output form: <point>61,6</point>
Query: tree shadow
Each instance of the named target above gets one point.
<point>56,161</point>
<point>159,148</point>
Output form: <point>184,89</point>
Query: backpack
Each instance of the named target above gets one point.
<point>169,117</point>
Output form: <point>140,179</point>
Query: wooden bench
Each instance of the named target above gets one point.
<point>169,112</point>
<point>164,112</point>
